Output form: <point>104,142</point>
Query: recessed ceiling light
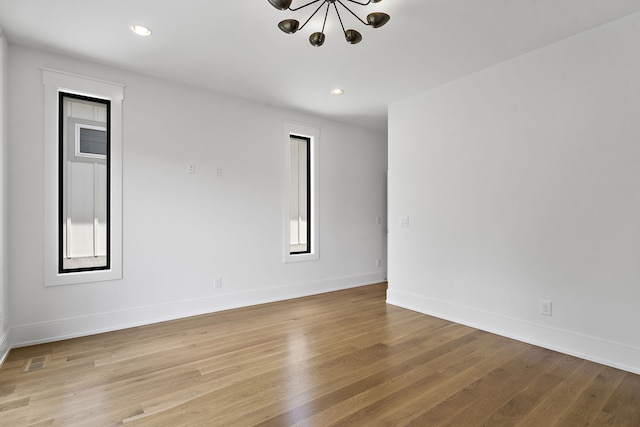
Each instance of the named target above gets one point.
<point>337,92</point>
<point>141,30</point>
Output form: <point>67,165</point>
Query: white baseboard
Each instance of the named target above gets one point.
<point>591,348</point>
<point>60,329</point>
<point>4,346</point>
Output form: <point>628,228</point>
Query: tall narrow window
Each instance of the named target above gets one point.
<point>301,234</point>
<point>82,173</point>
<point>300,198</point>
<point>83,186</point>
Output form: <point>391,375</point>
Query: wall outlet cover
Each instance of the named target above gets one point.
<point>544,307</point>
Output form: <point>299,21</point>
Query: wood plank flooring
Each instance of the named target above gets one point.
<point>338,359</point>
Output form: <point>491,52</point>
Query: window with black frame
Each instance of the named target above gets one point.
<point>84,183</point>
<point>300,195</point>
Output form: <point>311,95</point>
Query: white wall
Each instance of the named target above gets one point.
<point>4,287</point>
<point>180,230</point>
<point>522,182</point>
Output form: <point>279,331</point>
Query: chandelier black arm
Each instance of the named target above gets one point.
<point>293,9</point>
<point>325,16</point>
<point>339,18</point>
<point>357,17</point>
<point>314,13</point>
<point>361,4</point>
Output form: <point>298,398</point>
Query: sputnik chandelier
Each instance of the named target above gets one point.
<point>290,26</point>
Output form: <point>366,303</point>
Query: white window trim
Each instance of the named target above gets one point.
<point>313,133</point>
<point>55,82</point>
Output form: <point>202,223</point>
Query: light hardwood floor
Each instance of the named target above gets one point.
<point>340,359</point>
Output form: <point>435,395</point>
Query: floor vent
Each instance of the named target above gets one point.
<point>36,363</point>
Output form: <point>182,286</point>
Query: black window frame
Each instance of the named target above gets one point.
<point>309,195</point>
<point>62,95</point>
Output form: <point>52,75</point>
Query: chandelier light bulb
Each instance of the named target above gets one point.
<point>316,39</point>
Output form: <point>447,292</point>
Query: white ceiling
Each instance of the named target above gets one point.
<point>235,47</point>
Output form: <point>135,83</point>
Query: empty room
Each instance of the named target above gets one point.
<point>320,213</point>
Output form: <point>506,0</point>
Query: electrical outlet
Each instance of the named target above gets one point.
<point>404,221</point>
<point>378,262</point>
<point>544,307</point>
<point>191,168</point>
<point>217,282</point>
